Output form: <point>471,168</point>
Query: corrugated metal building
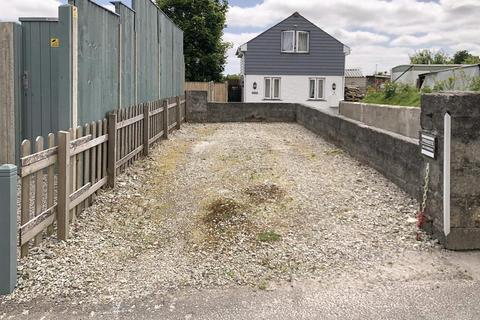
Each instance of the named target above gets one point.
<point>408,73</point>
<point>457,78</point>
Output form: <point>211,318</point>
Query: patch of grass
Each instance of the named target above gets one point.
<point>221,210</point>
<point>333,152</point>
<point>263,285</point>
<point>394,94</point>
<point>268,236</point>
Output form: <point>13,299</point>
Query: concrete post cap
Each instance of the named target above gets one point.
<point>8,170</point>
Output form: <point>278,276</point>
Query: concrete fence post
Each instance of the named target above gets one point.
<point>8,226</point>
<point>10,91</point>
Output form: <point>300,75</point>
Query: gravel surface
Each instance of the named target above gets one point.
<point>227,205</point>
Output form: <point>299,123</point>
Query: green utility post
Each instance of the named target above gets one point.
<point>8,235</point>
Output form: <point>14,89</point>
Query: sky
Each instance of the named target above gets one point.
<point>380,33</point>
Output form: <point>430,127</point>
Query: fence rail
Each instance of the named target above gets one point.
<point>61,180</point>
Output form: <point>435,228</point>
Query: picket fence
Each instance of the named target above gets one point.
<point>61,180</point>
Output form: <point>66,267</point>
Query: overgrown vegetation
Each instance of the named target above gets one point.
<point>394,94</point>
<point>406,95</point>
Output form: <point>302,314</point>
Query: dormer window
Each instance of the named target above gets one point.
<point>295,41</point>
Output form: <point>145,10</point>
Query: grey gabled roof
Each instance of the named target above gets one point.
<point>239,50</point>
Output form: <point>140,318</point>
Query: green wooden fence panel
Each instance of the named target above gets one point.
<point>127,49</point>
<point>40,73</point>
<point>98,54</point>
<point>148,50</point>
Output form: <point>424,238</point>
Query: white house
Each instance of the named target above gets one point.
<point>294,61</point>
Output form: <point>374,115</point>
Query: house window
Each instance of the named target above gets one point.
<point>272,88</point>
<point>295,41</point>
<point>288,41</point>
<point>302,41</point>
<point>316,89</point>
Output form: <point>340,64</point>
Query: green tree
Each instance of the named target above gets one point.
<point>465,57</point>
<point>427,56</point>
<point>203,22</point>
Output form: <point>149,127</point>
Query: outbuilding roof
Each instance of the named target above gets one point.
<point>353,73</point>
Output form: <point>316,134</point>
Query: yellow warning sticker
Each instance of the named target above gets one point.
<point>55,43</point>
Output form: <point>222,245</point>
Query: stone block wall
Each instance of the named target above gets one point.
<point>393,155</point>
<point>401,120</point>
<point>464,109</point>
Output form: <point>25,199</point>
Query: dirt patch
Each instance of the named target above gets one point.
<point>265,192</point>
<point>224,211</point>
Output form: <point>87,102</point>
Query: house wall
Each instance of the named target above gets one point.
<point>264,55</point>
<point>295,89</point>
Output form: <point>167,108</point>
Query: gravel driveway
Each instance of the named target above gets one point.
<point>224,206</point>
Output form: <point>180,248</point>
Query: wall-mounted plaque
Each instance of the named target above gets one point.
<point>428,143</point>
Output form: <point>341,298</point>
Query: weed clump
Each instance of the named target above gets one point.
<point>268,236</point>
<point>222,211</point>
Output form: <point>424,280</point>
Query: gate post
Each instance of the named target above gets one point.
<point>451,125</point>
<point>8,226</point>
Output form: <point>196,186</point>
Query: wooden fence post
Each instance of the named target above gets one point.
<point>179,113</point>
<point>112,149</point>
<point>146,128</point>
<point>63,223</point>
<point>8,228</point>
<point>165,118</point>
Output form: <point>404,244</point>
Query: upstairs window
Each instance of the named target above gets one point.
<point>302,41</point>
<point>288,41</point>
<point>295,41</point>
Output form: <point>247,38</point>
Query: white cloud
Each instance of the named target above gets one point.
<point>233,63</point>
<point>11,10</point>
<point>380,33</point>
<point>109,6</point>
